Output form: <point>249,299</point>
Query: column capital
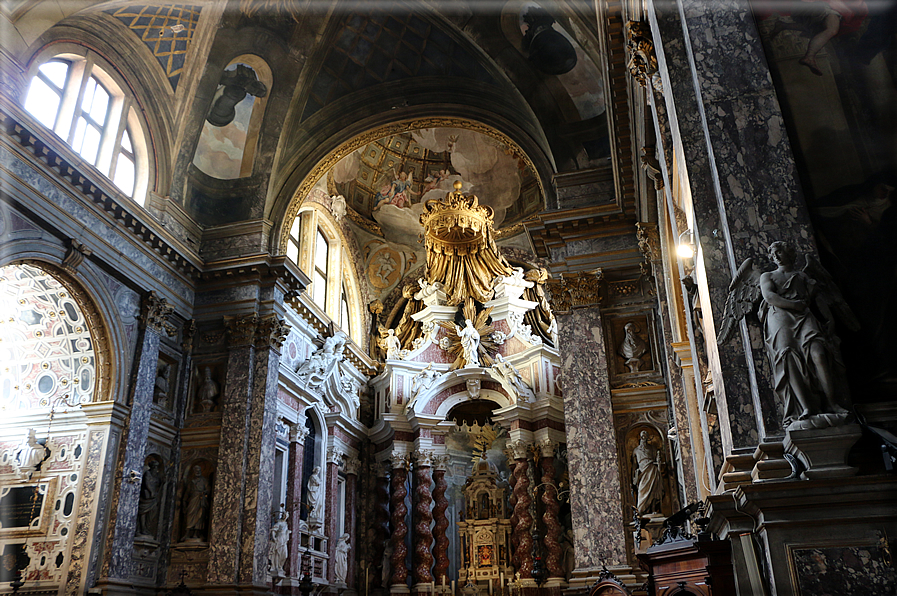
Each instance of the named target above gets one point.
<point>399,460</point>
<point>154,313</point>
<point>642,58</point>
<point>518,449</point>
<point>547,447</point>
<point>351,465</point>
<point>270,332</point>
<point>581,289</point>
<point>441,462</point>
<point>422,459</point>
<point>335,456</point>
<point>298,433</point>
<point>240,330</point>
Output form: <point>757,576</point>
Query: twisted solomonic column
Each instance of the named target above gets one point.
<point>440,550</point>
<point>523,553</point>
<point>553,530</point>
<point>381,518</point>
<point>512,501</point>
<point>423,537</point>
<point>399,528</point>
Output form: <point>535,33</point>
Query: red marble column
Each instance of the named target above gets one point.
<point>423,537</point>
<point>331,513</point>
<point>398,483</point>
<point>523,553</point>
<point>512,501</point>
<point>551,507</point>
<point>298,434</point>
<point>381,523</point>
<point>352,465</point>
<point>440,550</point>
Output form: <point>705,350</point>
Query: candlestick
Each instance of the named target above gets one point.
<point>453,587</point>
<point>490,587</point>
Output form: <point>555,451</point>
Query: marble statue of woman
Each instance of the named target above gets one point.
<point>147,505</point>
<point>470,343</point>
<point>801,347</point>
<point>646,480</point>
<point>392,344</point>
<point>196,506</point>
<point>341,562</point>
<point>208,391</point>
<point>278,539</point>
<point>313,497</point>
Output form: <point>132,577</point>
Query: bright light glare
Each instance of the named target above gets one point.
<point>685,251</point>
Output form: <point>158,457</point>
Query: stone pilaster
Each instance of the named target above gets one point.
<point>331,518</point>
<point>351,466</point>
<point>132,448</point>
<point>595,490</point>
<point>298,434</point>
<point>423,536</point>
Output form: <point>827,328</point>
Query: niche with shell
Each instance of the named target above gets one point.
<point>206,387</point>
<point>194,501</point>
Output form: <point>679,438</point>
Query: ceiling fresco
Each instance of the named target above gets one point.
<point>390,179</point>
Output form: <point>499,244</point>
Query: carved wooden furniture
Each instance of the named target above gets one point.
<point>699,567</point>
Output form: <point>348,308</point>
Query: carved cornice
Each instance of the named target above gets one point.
<point>422,459</point>
<point>256,269</point>
<point>154,313</point>
<point>271,332</point>
<point>240,330</point>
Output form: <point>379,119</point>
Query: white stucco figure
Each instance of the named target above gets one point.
<point>646,480</point>
<point>321,364</point>
<point>470,343</point>
<point>341,560</point>
<point>338,207</point>
<point>510,373</point>
<point>278,539</point>
<point>392,344</point>
<point>29,455</point>
<point>313,496</point>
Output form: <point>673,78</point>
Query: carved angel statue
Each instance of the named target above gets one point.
<point>509,372</point>
<point>796,310</point>
<point>473,344</point>
<point>420,383</point>
<point>321,364</point>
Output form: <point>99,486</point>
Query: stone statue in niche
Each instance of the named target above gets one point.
<point>633,347</point>
<point>315,487</point>
<point>160,389</point>
<point>196,506</point>
<point>208,391</point>
<point>341,562</point>
<point>150,493</point>
<point>470,343</point>
<point>236,85</point>
<point>797,310</point>
<point>278,538</point>
<point>29,456</point>
<point>646,479</point>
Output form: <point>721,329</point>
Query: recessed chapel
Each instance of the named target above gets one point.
<point>448,298</point>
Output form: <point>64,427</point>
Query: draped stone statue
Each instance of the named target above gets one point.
<point>29,456</point>
<point>646,479</point>
<point>470,343</point>
<point>148,505</point>
<point>196,506</point>
<point>633,347</point>
<point>341,562</point>
<point>315,487</point>
<point>278,539</point>
<point>509,372</point>
<point>160,389</point>
<point>208,391</point>
<point>797,311</point>
<point>392,344</point>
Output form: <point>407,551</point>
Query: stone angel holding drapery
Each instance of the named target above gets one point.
<point>797,311</point>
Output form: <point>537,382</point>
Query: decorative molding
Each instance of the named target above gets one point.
<point>240,330</point>
<point>74,255</point>
<point>642,63</point>
<point>271,332</point>
<point>648,240</point>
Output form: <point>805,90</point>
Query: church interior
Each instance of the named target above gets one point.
<point>448,297</point>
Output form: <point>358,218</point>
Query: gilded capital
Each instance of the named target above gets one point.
<point>154,312</point>
<point>240,330</point>
<point>642,62</point>
<point>399,460</point>
<point>648,240</point>
<point>584,288</point>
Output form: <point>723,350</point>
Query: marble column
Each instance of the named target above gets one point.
<point>512,502</point>
<point>399,491</point>
<point>743,184</point>
<point>116,571</point>
<point>523,553</point>
<point>381,523</point>
<point>423,537</point>
<point>331,518</point>
<point>298,434</point>
<point>595,489</point>
<point>352,465</point>
<point>551,507</point>
<point>440,506</point>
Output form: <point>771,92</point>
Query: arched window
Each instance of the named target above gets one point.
<point>79,99</point>
<point>317,246</point>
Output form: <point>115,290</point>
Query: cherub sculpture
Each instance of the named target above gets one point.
<point>796,310</point>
